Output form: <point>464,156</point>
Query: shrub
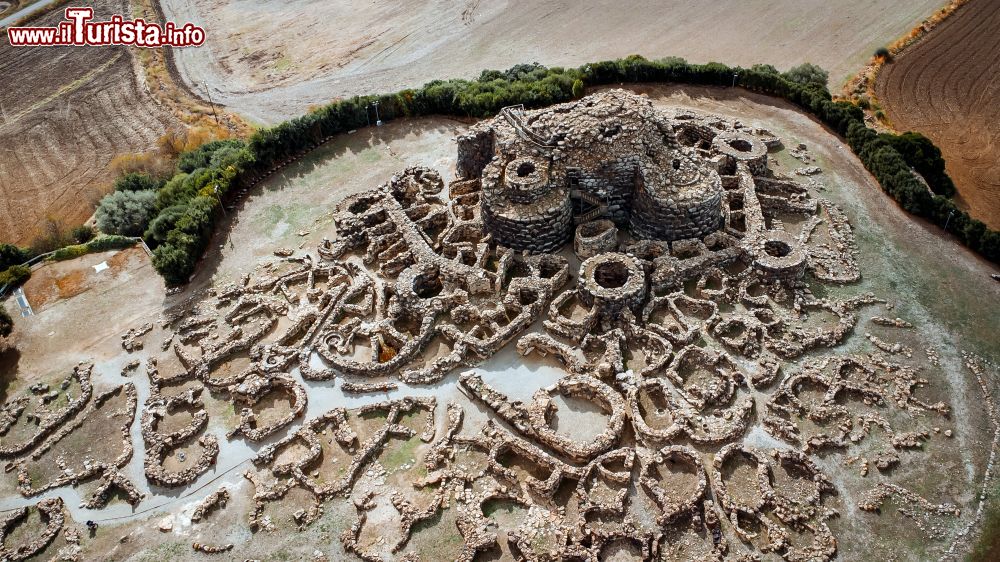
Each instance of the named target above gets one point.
<point>13,255</point>
<point>177,141</point>
<point>925,158</point>
<point>126,212</point>
<point>69,252</point>
<point>201,157</point>
<point>137,181</point>
<point>164,222</point>
<point>102,244</point>
<point>173,263</point>
<point>230,156</point>
<point>807,73</point>
<point>577,88</point>
<point>883,53</point>
<point>6,323</point>
<point>150,163</point>
<point>177,190</point>
<point>765,69</point>
<point>14,275</point>
<point>83,234</point>
<point>110,242</point>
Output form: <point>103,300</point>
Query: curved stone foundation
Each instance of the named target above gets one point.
<point>595,237</point>
<point>778,255</point>
<point>660,217</point>
<point>741,147</point>
<point>542,228</point>
<point>612,283</point>
<point>525,179</point>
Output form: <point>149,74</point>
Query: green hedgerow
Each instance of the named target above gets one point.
<point>15,275</point>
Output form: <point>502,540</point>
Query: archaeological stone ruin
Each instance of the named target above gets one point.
<point>680,286</point>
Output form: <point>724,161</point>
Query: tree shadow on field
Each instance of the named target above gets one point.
<point>337,147</point>
<point>9,358</point>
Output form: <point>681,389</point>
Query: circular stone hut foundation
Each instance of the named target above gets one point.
<point>612,282</point>
<point>742,147</point>
<point>779,255</point>
<point>595,237</point>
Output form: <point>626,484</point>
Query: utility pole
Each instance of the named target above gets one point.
<point>211,103</point>
<point>215,189</point>
<point>367,115</point>
<point>735,76</point>
<point>951,214</point>
<point>378,122</point>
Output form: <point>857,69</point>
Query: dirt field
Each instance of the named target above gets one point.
<point>271,60</point>
<point>66,112</point>
<point>8,7</point>
<point>75,303</point>
<point>294,208</point>
<point>947,86</point>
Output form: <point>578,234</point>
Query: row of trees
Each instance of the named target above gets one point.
<point>182,218</point>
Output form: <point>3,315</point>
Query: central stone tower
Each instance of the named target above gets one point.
<point>608,156</point>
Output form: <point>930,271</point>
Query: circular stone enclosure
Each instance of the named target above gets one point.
<point>779,255</point>
<point>740,146</point>
<point>611,282</point>
<point>595,237</point>
<point>526,179</point>
<point>420,285</point>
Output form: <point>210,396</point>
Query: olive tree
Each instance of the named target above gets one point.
<point>807,73</point>
<point>126,212</point>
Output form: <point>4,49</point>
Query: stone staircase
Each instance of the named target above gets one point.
<point>514,115</point>
<point>599,207</point>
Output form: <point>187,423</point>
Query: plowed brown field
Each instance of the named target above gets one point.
<point>947,86</point>
<point>65,112</point>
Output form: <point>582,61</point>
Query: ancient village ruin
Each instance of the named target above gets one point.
<point>653,253</point>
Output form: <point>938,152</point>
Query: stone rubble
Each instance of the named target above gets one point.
<point>51,511</point>
<point>131,340</point>
<point>215,500</point>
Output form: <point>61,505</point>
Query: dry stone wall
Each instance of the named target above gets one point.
<point>693,335</point>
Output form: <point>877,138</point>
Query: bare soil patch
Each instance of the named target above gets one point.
<point>947,86</point>
<point>87,326</point>
<point>64,280</point>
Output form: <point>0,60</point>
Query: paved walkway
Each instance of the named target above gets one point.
<point>22,302</point>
